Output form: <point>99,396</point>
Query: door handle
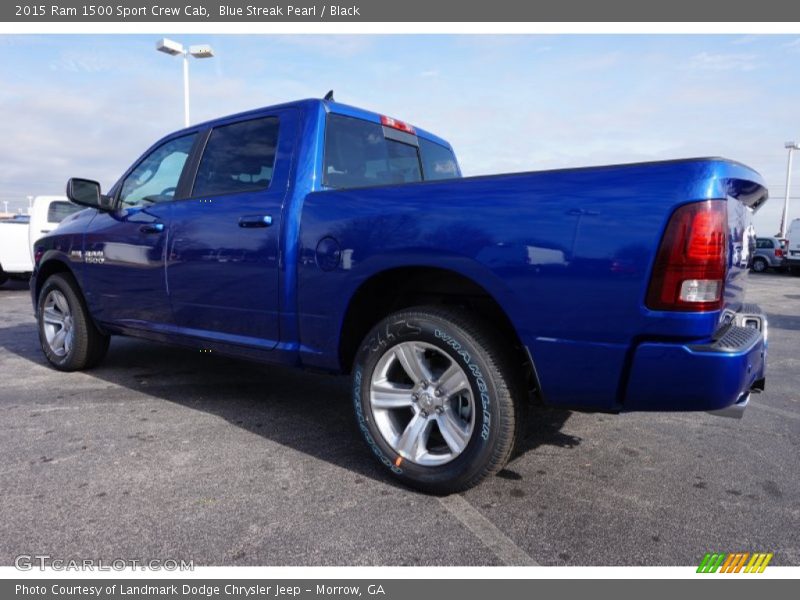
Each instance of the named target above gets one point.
<point>255,221</point>
<point>152,228</point>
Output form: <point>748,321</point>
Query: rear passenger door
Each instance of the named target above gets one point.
<point>223,265</point>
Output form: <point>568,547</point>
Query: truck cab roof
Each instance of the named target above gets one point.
<point>311,104</point>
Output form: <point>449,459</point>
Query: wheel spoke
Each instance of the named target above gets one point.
<point>414,440</point>
<point>411,359</point>
<point>452,380</point>
<point>61,302</point>
<point>58,340</point>
<point>388,395</point>
<point>68,341</point>
<point>452,431</point>
<point>52,316</point>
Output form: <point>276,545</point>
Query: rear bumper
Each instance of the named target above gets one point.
<point>778,263</point>
<point>734,411</point>
<point>715,376</point>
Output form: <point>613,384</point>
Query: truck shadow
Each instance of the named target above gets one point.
<point>307,412</point>
<point>543,428</point>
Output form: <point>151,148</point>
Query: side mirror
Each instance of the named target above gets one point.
<point>86,192</point>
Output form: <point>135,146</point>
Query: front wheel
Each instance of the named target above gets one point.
<point>434,397</point>
<point>759,265</point>
<point>69,339</point>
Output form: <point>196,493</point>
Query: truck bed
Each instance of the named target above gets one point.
<point>567,254</point>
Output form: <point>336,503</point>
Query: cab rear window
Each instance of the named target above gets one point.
<point>359,154</point>
<point>438,161</point>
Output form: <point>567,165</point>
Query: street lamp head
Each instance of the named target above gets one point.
<point>173,48</point>
<point>791,145</point>
<point>201,51</point>
<point>168,46</point>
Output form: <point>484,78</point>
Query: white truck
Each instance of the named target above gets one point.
<point>18,235</point>
<point>793,246</point>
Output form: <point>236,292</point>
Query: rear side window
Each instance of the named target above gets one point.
<point>238,158</point>
<point>764,243</point>
<point>58,211</point>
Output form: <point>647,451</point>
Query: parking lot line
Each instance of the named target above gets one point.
<point>495,540</point>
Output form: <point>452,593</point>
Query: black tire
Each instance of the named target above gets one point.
<point>89,345</point>
<point>3,277</point>
<point>497,391</point>
<point>760,265</point>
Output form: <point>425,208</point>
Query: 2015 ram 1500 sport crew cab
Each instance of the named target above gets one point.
<point>323,236</point>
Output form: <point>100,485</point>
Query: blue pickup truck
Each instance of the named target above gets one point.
<point>327,237</point>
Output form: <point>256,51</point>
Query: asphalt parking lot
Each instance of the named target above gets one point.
<point>166,453</point>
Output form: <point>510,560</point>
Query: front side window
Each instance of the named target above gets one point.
<point>155,178</point>
<point>238,158</point>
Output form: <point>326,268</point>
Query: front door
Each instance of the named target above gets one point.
<point>223,268</point>
<point>125,250</point>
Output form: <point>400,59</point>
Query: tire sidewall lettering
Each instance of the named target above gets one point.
<point>480,381</point>
<point>362,424</point>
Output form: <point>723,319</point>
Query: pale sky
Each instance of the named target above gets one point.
<point>82,105</point>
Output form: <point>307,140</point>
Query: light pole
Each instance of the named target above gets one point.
<point>5,204</point>
<point>174,48</point>
<point>791,146</point>
<point>30,204</point>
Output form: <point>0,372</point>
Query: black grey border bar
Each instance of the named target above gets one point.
<point>733,587</point>
<point>462,11</point>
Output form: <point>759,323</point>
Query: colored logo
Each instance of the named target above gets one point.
<point>744,562</point>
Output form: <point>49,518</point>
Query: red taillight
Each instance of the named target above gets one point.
<point>689,272</point>
<point>395,124</point>
<point>778,252</point>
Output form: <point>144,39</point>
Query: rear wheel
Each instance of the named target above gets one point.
<point>760,265</point>
<point>434,397</point>
<point>68,338</point>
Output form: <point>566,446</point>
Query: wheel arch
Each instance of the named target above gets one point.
<point>396,288</point>
<point>49,267</point>
<point>761,260</point>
